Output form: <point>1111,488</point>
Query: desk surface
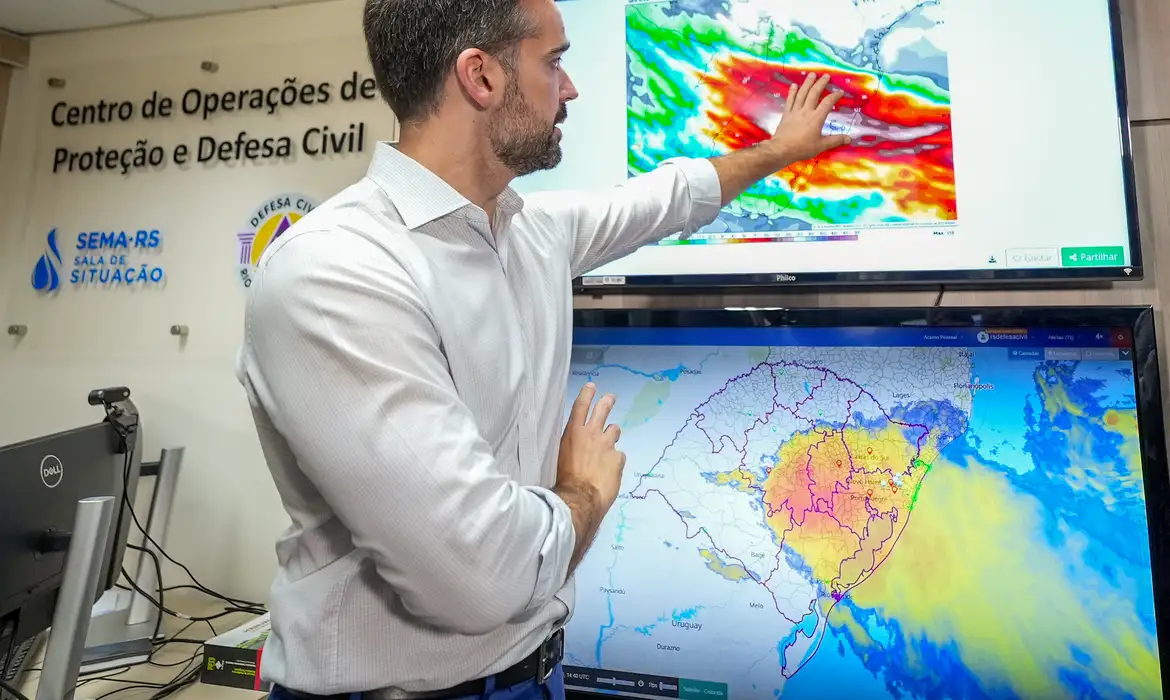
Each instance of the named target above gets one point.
<point>168,663</point>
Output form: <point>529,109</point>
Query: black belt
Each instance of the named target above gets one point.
<point>538,666</point>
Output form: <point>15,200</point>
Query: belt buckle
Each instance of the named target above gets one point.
<point>551,653</point>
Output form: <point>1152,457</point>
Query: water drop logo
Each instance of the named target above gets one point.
<point>46,275</point>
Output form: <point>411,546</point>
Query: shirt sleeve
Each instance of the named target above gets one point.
<point>344,358</point>
<point>679,196</point>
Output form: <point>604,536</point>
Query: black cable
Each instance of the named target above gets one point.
<point>136,685</point>
<point>82,680</point>
<point>128,681</point>
<point>175,637</point>
<point>183,616</point>
<point>166,688</point>
<point>146,536</point>
<point>110,677</point>
<point>159,583</point>
<point>941,291</point>
<point>183,679</point>
<point>213,594</point>
<point>8,688</point>
<point>182,640</point>
<point>184,662</point>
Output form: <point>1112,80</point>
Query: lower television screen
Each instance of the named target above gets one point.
<point>871,512</point>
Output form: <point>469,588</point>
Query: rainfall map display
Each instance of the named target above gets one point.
<point>707,77</point>
<point>951,172</point>
<point>868,513</point>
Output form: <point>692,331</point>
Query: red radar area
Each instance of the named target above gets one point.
<point>901,147</point>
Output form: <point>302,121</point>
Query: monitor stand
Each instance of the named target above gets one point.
<point>122,623</point>
<point>79,586</point>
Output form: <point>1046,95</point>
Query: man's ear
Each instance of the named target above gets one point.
<point>480,76</point>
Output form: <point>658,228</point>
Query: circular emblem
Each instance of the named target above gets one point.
<point>52,471</point>
<point>268,222</point>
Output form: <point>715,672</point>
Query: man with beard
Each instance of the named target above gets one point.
<point>406,354</point>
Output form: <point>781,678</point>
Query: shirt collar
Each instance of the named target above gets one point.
<point>422,196</point>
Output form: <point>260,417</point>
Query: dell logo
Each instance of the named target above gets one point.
<point>51,471</point>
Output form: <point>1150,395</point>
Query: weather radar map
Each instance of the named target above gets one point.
<point>706,77</point>
<point>894,520</point>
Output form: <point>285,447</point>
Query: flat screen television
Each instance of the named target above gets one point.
<point>990,139</point>
<point>910,503</point>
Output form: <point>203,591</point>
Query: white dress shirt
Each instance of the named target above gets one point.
<point>407,371</point>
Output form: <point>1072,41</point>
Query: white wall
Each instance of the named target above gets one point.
<point>79,339</point>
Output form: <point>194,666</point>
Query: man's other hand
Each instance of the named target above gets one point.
<point>589,453</point>
<point>589,468</point>
<point>800,135</point>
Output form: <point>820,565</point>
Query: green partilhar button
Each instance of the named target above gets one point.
<point>1093,256</point>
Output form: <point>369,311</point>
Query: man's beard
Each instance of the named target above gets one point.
<point>520,140</point>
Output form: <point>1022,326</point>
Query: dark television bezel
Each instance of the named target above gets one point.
<point>594,284</point>
<point>1140,319</point>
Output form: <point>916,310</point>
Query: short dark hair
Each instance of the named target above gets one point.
<point>413,44</point>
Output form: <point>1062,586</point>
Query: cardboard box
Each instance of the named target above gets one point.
<point>233,658</point>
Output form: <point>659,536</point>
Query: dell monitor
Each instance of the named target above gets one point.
<point>41,482</point>
<point>912,503</point>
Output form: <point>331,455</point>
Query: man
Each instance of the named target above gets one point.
<point>406,357</point>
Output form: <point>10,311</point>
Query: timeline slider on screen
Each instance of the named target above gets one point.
<point>641,684</point>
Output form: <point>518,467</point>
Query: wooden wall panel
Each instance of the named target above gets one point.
<point>14,50</point>
<point>1152,154</point>
<point>1151,144</point>
<point>5,80</point>
<point>1146,31</point>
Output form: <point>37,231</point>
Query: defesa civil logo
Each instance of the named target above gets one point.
<point>269,222</point>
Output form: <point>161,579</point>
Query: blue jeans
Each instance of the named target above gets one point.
<point>552,689</point>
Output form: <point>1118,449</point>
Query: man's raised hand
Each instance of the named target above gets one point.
<point>800,135</point>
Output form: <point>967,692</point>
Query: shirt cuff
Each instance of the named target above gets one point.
<point>705,190</point>
<point>555,552</point>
